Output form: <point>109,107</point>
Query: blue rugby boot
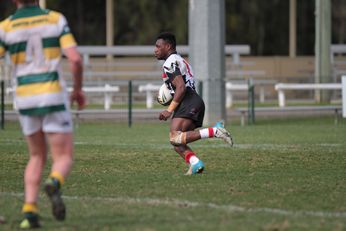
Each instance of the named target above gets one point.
<point>198,167</point>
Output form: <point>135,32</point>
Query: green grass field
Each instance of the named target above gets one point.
<point>281,175</point>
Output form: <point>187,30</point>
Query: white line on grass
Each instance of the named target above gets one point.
<point>191,204</point>
<point>215,144</point>
<point>211,144</point>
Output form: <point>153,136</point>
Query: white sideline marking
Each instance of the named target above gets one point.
<point>216,143</point>
<point>191,204</point>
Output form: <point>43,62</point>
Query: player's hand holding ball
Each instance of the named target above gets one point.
<point>164,115</point>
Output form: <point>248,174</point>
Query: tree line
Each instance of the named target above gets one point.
<point>264,25</point>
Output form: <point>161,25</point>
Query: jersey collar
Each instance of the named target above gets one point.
<point>172,53</point>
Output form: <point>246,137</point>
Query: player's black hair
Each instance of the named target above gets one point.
<point>169,38</point>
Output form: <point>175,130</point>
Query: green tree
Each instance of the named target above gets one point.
<point>139,22</point>
<point>87,19</point>
<point>6,8</point>
<point>261,24</point>
<point>306,27</point>
<point>339,21</point>
<point>264,25</point>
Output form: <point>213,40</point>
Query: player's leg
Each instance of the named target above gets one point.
<point>33,172</point>
<point>195,164</point>
<point>193,107</point>
<point>58,127</point>
<point>36,142</point>
<point>217,131</point>
<point>61,146</point>
<point>179,128</point>
<point>32,178</point>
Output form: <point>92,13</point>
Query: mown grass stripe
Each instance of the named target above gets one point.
<point>191,204</point>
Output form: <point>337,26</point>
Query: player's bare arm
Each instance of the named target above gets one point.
<point>76,66</point>
<point>180,89</point>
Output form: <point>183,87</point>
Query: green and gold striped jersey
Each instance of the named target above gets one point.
<point>34,39</point>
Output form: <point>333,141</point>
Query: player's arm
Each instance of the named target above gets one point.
<point>180,89</point>
<point>69,47</point>
<point>2,50</point>
<point>76,67</point>
<point>179,84</point>
<point>2,46</point>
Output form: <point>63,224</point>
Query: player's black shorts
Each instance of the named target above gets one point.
<point>191,107</point>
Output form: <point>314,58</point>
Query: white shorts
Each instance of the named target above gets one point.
<point>56,122</point>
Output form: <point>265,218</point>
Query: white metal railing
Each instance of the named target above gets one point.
<point>230,87</point>
<point>107,90</point>
<point>152,89</point>
<point>234,50</point>
<point>282,87</point>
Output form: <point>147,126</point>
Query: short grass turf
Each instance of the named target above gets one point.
<point>282,174</point>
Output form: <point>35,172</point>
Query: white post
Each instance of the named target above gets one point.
<point>43,4</point>
<point>86,59</point>
<point>150,98</point>
<point>242,119</point>
<point>344,96</point>
<point>229,98</point>
<point>108,97</point>
<point>262,94</point>
<point>236,58</point>
<point>281,95</point>
<point>86,63</point>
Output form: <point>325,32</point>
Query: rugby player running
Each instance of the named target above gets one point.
<point>187,107</point>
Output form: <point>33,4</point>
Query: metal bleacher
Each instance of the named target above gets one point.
<point>118,64</point>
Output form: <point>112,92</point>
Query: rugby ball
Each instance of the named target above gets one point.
<point>165,96</point>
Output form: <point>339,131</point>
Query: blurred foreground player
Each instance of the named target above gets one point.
<point>187,107</point>
<point>35,38</point>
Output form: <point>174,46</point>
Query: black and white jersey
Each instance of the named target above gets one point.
<point>175,65</point>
